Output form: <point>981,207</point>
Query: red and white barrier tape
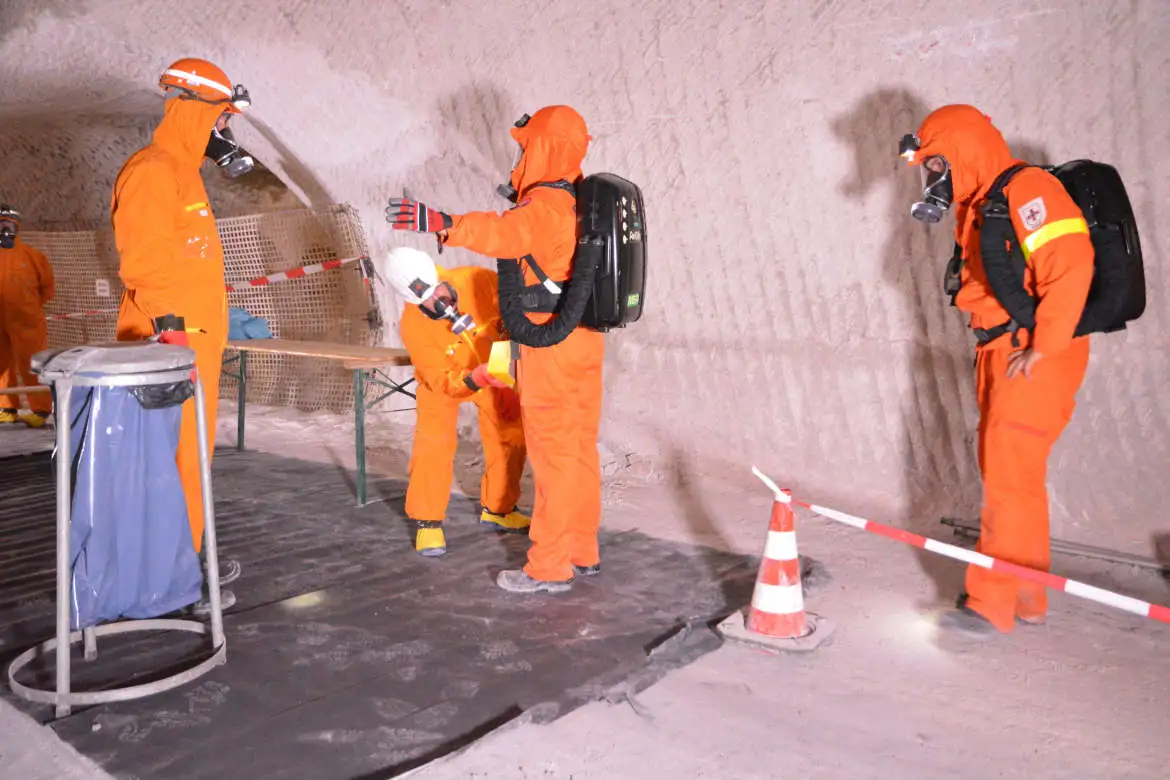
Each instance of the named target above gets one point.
<point>259,281</point>
<point>1072,587</point>
<point>293,273</point>
<point>77,315</point>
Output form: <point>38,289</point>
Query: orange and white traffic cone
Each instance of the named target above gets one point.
<point>777,607</point>
<point>776,617</point>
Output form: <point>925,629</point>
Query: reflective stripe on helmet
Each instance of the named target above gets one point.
<point>196,79</point>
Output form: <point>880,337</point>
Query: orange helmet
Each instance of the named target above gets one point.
<point>198,79</point>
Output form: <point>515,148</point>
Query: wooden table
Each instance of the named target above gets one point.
<point>365,363</point>
<point>26,390</point>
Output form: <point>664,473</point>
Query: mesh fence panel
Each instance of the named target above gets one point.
<point>85,266</point>
<point>332,306</point>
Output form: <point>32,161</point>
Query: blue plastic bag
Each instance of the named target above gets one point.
<point>131,549</point>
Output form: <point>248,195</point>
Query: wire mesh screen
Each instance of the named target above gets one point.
<point>333,305</point>
<point>85,267</point>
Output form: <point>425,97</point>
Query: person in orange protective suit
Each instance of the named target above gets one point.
<point>26,285</point>
<point>449,328</point>
<point>560,386</point>
<point>171,259</point>
<point>1026,382</point>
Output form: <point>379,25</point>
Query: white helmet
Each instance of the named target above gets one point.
<point>411,273</point>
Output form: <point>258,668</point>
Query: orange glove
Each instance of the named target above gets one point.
<point>481,378</point>
<point>507,404</point>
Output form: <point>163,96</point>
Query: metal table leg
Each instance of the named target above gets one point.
<point>242,395</point>
<point>361,406</point>
<point>359,410</point>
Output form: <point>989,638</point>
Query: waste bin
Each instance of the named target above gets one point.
<point>124,549</point>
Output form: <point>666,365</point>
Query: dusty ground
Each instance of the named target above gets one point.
<point>1084,696</point>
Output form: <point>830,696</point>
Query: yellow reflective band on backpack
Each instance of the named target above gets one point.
<point>1053,231</point>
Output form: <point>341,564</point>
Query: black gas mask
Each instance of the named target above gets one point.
<point>223,150</point>
<point>445,309</point>
<point>8,226</point>
<point>507,190</point>
<point>938,189</point>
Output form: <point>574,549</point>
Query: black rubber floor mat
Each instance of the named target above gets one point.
<point>349,656</point>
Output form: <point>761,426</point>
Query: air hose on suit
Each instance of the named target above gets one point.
<point>571,306</point>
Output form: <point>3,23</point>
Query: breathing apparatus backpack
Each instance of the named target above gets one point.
<point>1118,291</point>
<point>608,283</point>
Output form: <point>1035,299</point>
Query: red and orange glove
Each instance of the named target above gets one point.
<point>407,214</point>
<point>480,377</point>
<point>507,404</point>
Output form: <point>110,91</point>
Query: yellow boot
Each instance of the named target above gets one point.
<point>429,540</point>
<point>515,522</point>
<point>8,416</point>
<point>34,419</point>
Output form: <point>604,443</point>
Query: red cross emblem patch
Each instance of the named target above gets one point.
<point>1033,213</point>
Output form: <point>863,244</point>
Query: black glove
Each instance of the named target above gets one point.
<point>952,280</point>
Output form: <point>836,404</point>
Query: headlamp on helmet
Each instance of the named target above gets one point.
<point>909,146</point>
<point>241,99</point>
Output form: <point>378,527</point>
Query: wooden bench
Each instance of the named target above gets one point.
<point>363,361</point>
<point>26,390</point>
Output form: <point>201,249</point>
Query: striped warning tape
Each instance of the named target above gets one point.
<point>259,281</point>
<point>1072,587</point>
<point>293,273</point>
<point>77,315</point>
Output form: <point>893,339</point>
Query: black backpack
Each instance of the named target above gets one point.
<point>611,206</point>
<point>1118,291</point>
<point>608,286</point>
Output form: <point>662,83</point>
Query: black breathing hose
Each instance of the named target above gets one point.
<point>590,251</point>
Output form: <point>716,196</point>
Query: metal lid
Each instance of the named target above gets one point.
<point>142,359</point>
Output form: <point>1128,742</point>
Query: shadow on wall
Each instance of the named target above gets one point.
<point>256,192</point>
<point>300,178</point>
<point>940,469</point>
<point>473,123</point>
<point>1161,545</point>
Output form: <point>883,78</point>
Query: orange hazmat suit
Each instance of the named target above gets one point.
<point>560,386</point>
<point>26,285</point>
<point>442,362</point>
<point>1021,417</point>
<point>172,263</point>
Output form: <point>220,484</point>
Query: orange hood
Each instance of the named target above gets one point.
<point>185,128</point>
<point>554,143</point>
<point>972,145</point>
